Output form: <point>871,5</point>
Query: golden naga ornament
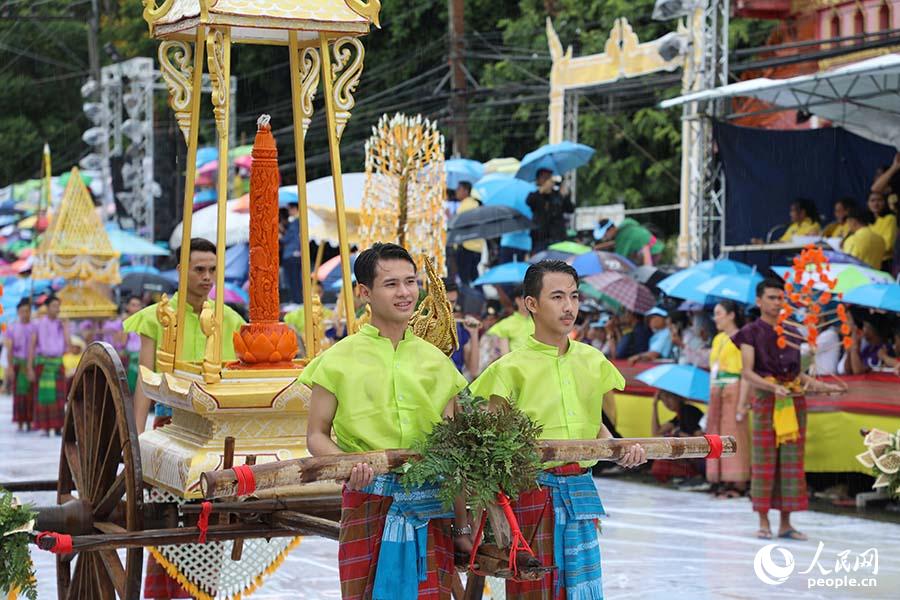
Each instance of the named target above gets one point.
<point>403,199</point>
<point>433,321</point>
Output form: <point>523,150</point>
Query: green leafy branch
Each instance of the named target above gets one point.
<point>16,569</point>
<point>478,453</point>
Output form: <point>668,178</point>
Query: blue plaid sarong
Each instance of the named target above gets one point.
<point>576,546</point>
<point>403,556</point>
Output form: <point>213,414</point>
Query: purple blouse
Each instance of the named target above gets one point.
<point>51,337</point>
<point>20,334</point>
<point>769,360</point>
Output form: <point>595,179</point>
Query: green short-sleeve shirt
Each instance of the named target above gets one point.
<point>563,394</point>
<point>144,322</point>
<point>386,398</point>
<point>516,328</point>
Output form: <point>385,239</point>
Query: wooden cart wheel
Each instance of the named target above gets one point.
<point>100,463</point>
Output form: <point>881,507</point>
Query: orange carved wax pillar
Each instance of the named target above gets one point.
<point>265,341</point>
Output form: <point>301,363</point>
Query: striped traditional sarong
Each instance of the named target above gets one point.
<point>132,361</point>
<point>559,521</point>
<point>394,544</point>
<point>50,400</point>
<point>721,419</point>
<point>778,479</point>
<point>22,392</point>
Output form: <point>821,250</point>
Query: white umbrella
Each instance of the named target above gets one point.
<point>204,221</point>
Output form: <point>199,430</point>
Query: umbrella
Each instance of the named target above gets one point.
<point>131,245</point>
<point>883,296</point>
<point>204,225</point>
<point>503,189</point>
<point>623,289</point>
<point>570,247</point>
<point>559,158</point>
<point>486,222</point>
<point>329,273</point>
<point>683,283</point>
<point>848,276</point>
<point>232,294</point>
<point>237,262</point>
<point>140,283</point>
<point>508,166</point>
<point>129,269</point>
<point>206,154</point>
<point>649,275</point>
<point>551,255</point>
<point>462,169</point>
<point>513,272</point>
<point>740,288</point>
<point>589,290</point>
<point>684,380</point>
<point>591,263</point>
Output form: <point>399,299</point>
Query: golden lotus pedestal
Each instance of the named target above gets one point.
<point>265,412</point>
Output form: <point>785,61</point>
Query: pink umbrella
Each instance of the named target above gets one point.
<point>243,162</point>
<point>209,169</point>
<point>623,289</point>
<point>231,296</point>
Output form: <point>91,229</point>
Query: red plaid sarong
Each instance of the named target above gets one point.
<point>777,476</point>
<point>534,512</point>
<point>721,419</point>
<point>362,525</point>
<point>23,404</point>
<point>51,416</point>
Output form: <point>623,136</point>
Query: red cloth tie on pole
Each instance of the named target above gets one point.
<point>203,521</point>
<point>63,543</point>
<point>518,540</point>
<point>246,482</point>
<point>715,446</point>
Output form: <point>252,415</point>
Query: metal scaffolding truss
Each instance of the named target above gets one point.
<point>702,175</point>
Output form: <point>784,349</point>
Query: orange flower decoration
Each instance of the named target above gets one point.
<point>825,298</point>
<point>847,343</point>
<point>779,329</point>
<point>845,329</point>
<point>788,286</point>
<point>782,343</point>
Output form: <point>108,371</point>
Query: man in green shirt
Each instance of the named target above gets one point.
<point>381,388</point>
<point>201,277</point>
<point>515,329</point>
<point>559,384</point>
<point>629,239</point>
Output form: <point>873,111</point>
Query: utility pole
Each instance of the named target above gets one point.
<point>459,117</point>
<point>94,43</point>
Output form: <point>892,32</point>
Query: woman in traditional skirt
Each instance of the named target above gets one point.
<point>49,341</point>
<point>126,344</point>
<point>728,404</point>
<point>18,340</point>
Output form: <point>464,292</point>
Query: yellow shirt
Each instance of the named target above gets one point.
<point>297,319</point>
<point>886,227</point>
<point>806,227</point>
<point>866,245</point>
<point>726,354</point>
<point>836,229</point>
<point>563,394</point>
<point>465,205</point>
<point>516,328</point>
<point>386,398</point>
<point>144,322</point>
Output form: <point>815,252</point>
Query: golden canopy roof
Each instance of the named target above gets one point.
<point>261,21</point>
<point>76,246</point>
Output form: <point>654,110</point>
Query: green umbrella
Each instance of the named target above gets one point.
<point>64,178</point>
<point>589,290</point>
<point>240,151</point>
<point>570,247</point>
<point>854,277</point>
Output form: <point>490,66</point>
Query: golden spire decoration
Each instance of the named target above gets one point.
<point>433,321</point>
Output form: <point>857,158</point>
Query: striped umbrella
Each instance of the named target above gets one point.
<point>623,289</point>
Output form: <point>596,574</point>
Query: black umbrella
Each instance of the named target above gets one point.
<point>140,283</point>
<point>486,222</point>
<point>649,275</point>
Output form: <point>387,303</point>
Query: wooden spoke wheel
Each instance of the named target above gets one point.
<point>100,465</point>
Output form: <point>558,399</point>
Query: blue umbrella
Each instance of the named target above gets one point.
<point>683,283</point>
<point>883,296</point>
<point>551,255</point>
<point>591,263</point>
<point>132,245</point>
<point>513,272</point>
<point>287,195</point>
<point>505,189</point>
<point>237,262</point>
<point>559,158</point>
<point>206,154</point>
<point>740,288</point>
<point>684,380</point>
<point>138,269</point>
<point>462,169</point>
<point>334,276</point>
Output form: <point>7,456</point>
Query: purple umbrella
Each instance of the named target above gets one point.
<point>624,290</point>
